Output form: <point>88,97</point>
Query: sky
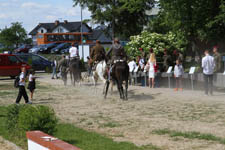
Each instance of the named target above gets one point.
<point>32,12</point>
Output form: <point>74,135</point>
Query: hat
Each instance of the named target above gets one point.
<point>215,46</point>
<point>141,49</point>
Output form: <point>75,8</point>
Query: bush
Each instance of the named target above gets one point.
<point>28,118</point>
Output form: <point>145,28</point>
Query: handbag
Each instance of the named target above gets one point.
<point>155,68</point>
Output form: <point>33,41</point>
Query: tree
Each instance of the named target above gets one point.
<point>124,17</point>
<point>13,36</point>
<point>200,20</point>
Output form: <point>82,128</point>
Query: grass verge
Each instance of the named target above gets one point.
<point>83,139</point>
<point>190,135</point>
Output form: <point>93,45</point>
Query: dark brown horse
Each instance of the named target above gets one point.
<point>120,73</point>
<point>75,71</point>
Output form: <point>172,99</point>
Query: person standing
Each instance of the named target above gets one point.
<point>132,65</point>
<point>54,67</point>
<point>208,66</point>
<point>63,65</point>
<point>151,72</point>
<point>178,72</point>
<point>166,61</point>
<point>22,90</point>
<point>31,85</point>
<point>217,59</point>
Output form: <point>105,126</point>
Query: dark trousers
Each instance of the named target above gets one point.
<point>208,79</point>
<point>22,92</point>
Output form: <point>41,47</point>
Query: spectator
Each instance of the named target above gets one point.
<point>22,90</point>
<point>208,66</point>
<point>31,85</point>
<point>217,59</point>
<point>151,72</point>
<point>141,63</point>
<point>132,65</point>
<point>166,61</point>
<point>54,66</point>
<point>178,72</point>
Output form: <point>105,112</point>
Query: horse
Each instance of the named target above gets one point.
<point>120,73</point>
<point>99,73</point>
<point>75,71</point>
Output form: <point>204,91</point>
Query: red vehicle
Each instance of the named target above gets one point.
<point>10,65</point>
<point>23,49</point>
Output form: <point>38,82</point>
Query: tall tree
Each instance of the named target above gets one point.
<point>200,20</point>
<point>124,17</point>
<point>13,36</point>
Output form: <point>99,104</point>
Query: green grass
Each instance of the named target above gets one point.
<point>190,135</point>
<point>83,139</point>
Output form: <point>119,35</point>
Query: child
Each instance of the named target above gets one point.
<point>178,72</point>
<point>31,85</point>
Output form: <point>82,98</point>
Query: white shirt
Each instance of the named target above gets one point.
<point>22,76</point>
<point>73,52</point>
<point>208,65</point>
<point>132,65</point>
<point>55,62</point>
<point>141,63</point>
<point>31,78</point>
<point>178,70</point>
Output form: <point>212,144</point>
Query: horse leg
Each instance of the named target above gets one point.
<point>111,87</point>
<point>119,88</point>
<point>122,91</point>
<point>126,87</point>
<point>71,77</point>
<point>107,87</point>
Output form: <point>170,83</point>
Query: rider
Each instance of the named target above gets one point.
<point>118,54</point>
<point>97,53</point>
<point>74,53</point>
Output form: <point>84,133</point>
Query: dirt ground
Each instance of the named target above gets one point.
<point>5,145</point>
<point>135,120</point>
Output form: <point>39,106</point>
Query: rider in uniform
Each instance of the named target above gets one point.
<point>63,64</point>
<point>97,53</point>
<point>118,54</point>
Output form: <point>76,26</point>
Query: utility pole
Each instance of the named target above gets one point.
<point>82,45</point>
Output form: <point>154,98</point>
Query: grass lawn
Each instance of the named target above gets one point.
<point>76,136</point>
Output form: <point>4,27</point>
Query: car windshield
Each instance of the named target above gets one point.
<point>61,45</point>
<point>49,45</point>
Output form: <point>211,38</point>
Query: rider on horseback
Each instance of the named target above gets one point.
<point>118,54</point>
<point>97,54</point>
<point>74,53</point>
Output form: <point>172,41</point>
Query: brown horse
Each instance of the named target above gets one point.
<point>75,71</point>
<point>120,73</point>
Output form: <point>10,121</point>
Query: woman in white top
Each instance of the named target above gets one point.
<point>178,72</point>
<point>31,85</point>
<point>151,72</point>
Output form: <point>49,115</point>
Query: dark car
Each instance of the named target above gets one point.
<point>47,48</point>
<point>65,51</point>
<point>38,63</point>
<point>36,49</point>
<point>23,49</point>
<point>10,65</point>
<point>58,48</point>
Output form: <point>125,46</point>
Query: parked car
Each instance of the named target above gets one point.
<point>36,49</point>
<point>65,51</point>
<point>38,63</point>
<point>10,65</point>
<point>23,49</point>
<point>47,48</point>
<point>59,47</point>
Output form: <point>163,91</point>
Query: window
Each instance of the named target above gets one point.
<point>42,31</point>
<point>13,59</point>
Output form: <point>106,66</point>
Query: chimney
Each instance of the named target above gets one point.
<point>65,21</point>
<point>57,22</point>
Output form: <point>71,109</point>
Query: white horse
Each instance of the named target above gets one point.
<point>99,73</point>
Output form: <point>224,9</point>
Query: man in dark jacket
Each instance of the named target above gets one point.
<point>117,51</point>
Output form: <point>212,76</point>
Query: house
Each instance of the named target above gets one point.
<point>59,27</point>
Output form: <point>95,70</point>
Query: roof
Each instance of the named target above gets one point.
<point>70,26</point>
<point>101,35</point>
